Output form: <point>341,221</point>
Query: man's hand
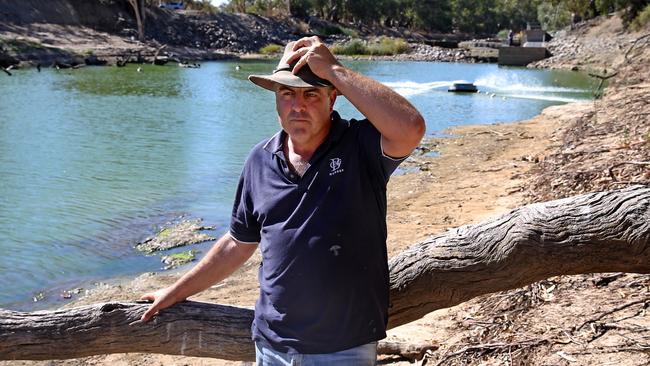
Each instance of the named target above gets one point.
<point>311,51</point>
<point>225,256</point>
<point>162,299</point>
<point>400,124</point>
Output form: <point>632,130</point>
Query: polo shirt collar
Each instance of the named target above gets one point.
<point>276,143</point>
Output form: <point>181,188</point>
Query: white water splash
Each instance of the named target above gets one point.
<point>550,98</point>
<point>518,83</point>
<point>409,88</point>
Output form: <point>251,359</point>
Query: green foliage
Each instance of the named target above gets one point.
<point>383,46</point>
<point>330,30</point>
<point>353,47</point>
<point>261,7</point>
<point>184,256</point>
<point>483,17</point>
<point>388,46</point>
<point>641,20</point>
<point>475,16</point>
<point>630,8</point>
<point>349,32</point>
<point>553,17</point>
<point>164,233</point>
<point>335,29</point>
<point>271,49</point>
<point>201,5</point>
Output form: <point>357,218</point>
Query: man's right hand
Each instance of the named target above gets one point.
<point>162,299</point>
<point>225,256</point>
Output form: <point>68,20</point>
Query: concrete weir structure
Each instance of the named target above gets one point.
<point>533,48</point>
<point>521,56</point>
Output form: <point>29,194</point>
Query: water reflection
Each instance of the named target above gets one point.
<point>149,80</point>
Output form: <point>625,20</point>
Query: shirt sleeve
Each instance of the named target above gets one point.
<point>370,141</point>
<point>244,226</point>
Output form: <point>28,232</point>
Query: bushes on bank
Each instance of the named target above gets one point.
<point>383,46</point>
<point>641,20</point>
<point>271,48</point>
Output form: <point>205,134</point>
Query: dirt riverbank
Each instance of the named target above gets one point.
<point>483,171</point>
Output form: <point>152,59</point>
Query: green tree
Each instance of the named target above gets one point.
<point>432,15</point>
<point>553,16</point>
<point>475,16</point>
<point>516,14</point>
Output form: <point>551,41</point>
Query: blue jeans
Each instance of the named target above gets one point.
<point>365,355</point>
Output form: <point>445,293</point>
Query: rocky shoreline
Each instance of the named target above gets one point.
<point>68,39</point>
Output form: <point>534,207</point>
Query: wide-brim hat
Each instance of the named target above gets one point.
<point>283,75</point>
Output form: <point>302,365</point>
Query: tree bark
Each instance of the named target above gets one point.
<point>139,10</point>
<point>599,232</point>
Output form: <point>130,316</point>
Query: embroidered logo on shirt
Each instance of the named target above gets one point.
<point>335,250</point>
<point>335,166</point>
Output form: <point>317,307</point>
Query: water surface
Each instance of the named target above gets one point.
<point>96,159</point>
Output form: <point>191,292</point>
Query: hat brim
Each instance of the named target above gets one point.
<point>287,78</point>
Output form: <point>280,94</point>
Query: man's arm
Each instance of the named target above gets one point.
<point>222,260</point>
<point>400,124</point>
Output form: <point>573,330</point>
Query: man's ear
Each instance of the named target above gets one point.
<point>332,97</point>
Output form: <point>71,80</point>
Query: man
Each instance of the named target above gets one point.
<point>313,197</point>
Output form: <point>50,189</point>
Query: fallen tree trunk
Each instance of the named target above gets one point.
<point>600,232</point>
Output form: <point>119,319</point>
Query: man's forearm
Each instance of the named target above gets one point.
<point>400,124</point>
<point>224,258</point>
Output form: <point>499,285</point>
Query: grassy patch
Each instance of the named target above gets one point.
<point>271,49</point>
<point>383,46</point>
<point>164,233</point>
<point>184,256</point>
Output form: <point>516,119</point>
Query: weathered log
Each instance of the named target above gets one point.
<point>600,232</point>
<point>189,328</point>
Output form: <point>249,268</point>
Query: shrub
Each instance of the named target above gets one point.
<point>271,48</point>
<point>353,47</point>
<point>349,32</point>
<point>386,46</point>
<point>330,30</point>
<point>383,46</point>
<point>641,20</point>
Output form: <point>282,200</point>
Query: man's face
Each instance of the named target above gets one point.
<point>304,113</point>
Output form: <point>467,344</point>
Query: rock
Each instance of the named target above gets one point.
<point>184,233</point>
<point>93,60</point>
<point>178,259</point>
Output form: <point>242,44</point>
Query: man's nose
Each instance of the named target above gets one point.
<point>298,102</point>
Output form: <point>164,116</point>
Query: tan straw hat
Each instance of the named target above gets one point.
<point>283,75</point>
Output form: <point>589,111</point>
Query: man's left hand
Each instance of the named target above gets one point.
<point>311,51</point>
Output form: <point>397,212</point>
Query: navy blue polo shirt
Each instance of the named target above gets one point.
<point>324,272</point>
